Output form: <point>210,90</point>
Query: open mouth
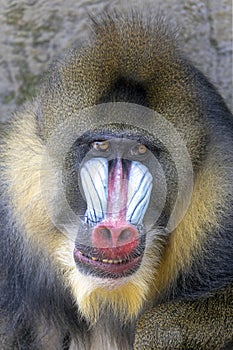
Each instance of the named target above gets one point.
<point>108,262</point>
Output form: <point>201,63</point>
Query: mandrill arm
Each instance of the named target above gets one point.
<point>189,324</point>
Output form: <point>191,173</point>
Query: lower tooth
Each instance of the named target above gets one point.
<point>106,261</point>
<point>117,261</point>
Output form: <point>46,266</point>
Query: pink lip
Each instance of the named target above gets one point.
<point>108,267</point>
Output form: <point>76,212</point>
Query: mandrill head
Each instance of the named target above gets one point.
<point>118,194</point>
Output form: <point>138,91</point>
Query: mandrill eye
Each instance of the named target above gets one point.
<point>100,145</point>
<point>140,149</point>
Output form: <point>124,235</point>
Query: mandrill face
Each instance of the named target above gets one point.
<point>118,190</point>
<point>116,186</point>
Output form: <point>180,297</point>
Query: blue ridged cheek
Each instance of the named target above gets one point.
<point>139,192</point>
<point>94,178</point>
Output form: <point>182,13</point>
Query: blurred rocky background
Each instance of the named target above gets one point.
<point>35,32</point>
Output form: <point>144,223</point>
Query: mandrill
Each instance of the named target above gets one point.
<point>116,201</point>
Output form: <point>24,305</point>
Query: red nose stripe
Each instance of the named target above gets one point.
<point>117,192</point>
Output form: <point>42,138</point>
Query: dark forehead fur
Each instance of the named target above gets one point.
<point>130,50</point>
<point>134,59</point>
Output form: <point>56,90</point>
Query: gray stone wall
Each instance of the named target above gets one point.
<point>35,32</point>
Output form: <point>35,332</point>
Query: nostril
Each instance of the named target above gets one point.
<point>126,235</point>
<point>105,234</point>
<point>102,237</point>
